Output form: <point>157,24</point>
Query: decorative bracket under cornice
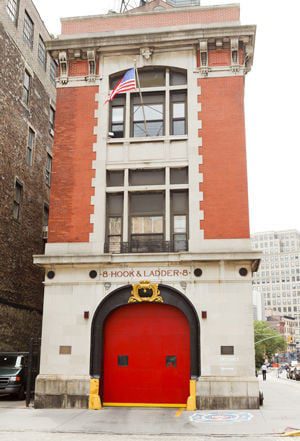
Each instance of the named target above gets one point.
<point>63,67</point>
<point>91,57</point>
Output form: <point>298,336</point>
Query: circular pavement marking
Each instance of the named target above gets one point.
<point>224,417</point>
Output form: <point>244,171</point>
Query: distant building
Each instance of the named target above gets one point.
<point>278,278</point>
<point>27,112</point>
<point>258,305</point>
<point>285,325</point>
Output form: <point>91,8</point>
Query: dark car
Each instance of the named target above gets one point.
<point>13,369</point>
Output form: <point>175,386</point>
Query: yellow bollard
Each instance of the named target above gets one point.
<point>94,398</point>
<point>191,401</point>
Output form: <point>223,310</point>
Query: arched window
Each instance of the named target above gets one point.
<point>157,108</point>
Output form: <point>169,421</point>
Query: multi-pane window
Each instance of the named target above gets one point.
<point>52,120</point>
<point>17,200</point>
<point>156,219</point>
<point>153,113</point>
<point>12,7</point>
<point>26,88</point>
<point>48,169</point>
<point>30,146</point>
<point>28,30</point>
<point>42,52</point>
<point>52,72</point>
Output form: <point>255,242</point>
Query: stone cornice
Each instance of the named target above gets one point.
<point>168,37</point>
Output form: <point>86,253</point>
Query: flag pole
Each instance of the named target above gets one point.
<point>141,97</point>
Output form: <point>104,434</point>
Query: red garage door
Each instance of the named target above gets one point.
<point>146,355</point>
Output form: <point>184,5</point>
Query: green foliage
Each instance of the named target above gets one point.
<point>266,348</point>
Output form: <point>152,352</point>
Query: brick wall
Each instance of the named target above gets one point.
<point>150,20</point>
<point>72,168</point>
<point>224,171</point>
<point>20,280</point>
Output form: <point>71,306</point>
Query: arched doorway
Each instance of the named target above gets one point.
<point>145,353</point>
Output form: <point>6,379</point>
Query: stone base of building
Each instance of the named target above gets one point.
<point>227,393</point>
<point>53,391</point>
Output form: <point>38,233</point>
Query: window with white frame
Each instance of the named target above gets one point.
<point>26,88</point>
<point>141,220</point>
<point>12,8</point>
<point>158,109</point>
<point>30,146</point>
<point>28,30</point>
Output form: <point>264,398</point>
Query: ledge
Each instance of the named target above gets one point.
<point>112,259</point>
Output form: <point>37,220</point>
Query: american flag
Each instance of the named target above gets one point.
<point>126,83</point>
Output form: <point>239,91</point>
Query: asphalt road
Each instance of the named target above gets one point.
<point>280,413</point>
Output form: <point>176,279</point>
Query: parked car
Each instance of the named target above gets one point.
<point>13,370</point>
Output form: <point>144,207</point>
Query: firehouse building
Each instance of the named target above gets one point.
<point>148,298</point>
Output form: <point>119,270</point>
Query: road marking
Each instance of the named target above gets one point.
<point>221,417</point>
<point>179,412</point>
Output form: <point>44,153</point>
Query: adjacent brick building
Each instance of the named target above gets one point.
<point>27,111</point>
<point>149,230</point>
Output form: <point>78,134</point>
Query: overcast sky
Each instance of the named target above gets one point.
<point>272,103</point>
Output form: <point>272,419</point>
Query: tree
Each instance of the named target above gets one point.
<point>267,342</point>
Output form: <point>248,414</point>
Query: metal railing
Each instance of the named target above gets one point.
<point>146,246</point>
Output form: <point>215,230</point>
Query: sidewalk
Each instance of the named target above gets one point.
<point>280,411</point>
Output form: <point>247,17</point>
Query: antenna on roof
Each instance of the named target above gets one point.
<point>126,5</point>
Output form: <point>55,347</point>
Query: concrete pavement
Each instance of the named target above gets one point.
<point>281,410</point>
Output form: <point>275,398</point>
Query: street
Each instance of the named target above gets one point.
<point>279,414</point>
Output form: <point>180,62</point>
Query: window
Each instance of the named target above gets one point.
<point>28,30</point>
<point>52,120</point>
<point>146,210</point>
<point>52,72</point>
<point>115,178</point>
<point>48,169</point>
<point>26,88</point>
<point>118,117</point>
<point>17,200</point>
<point>150,108</point>
<point>178,114</point>
<point>30,145</point>
<point>147,177</point>
<point>179,212</point>
<point>42,52</point>
<point>148,116</point>
<point>179,175</point>
<point>114,208</point>
<point>12,8</point>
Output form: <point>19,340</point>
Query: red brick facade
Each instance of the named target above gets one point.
<point>225,203</point>
<point>71,191</point>
<point>150,20</point>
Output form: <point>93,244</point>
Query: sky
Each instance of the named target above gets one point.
<point>272,103</point>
